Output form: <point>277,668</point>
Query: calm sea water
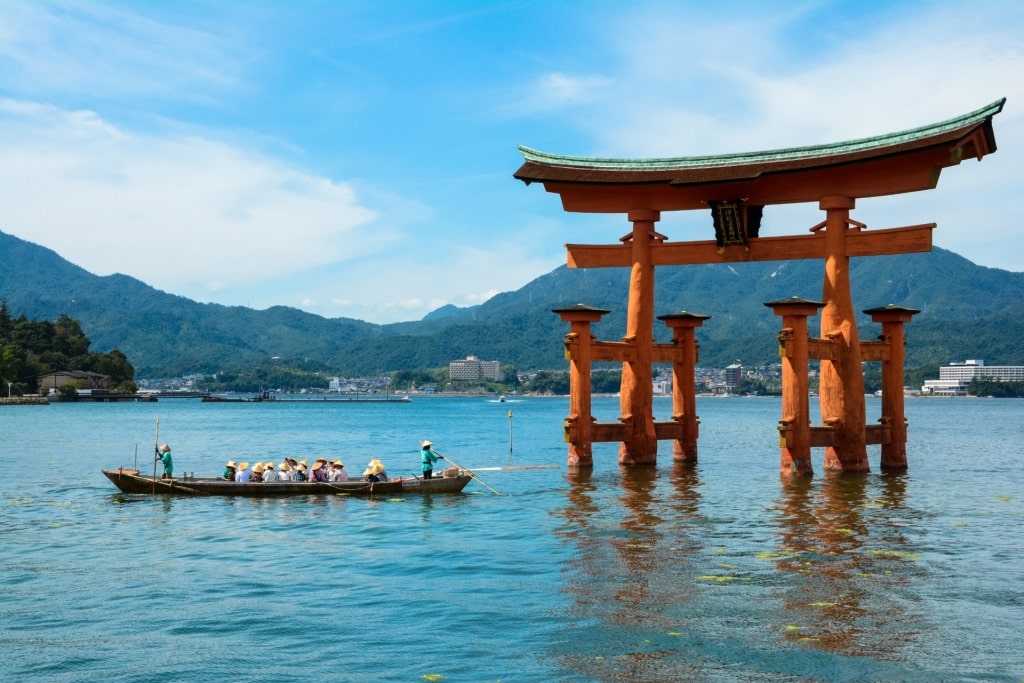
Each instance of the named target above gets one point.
<point>719,572</point>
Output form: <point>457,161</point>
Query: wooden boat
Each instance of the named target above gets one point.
<point>131,481</point>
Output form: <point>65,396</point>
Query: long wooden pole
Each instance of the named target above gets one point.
<point>156,449</point>
<point>471,474</point>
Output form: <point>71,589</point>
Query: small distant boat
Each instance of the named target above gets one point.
<point>501,399</point>
<point>213,398</point>
<point>131,481</point>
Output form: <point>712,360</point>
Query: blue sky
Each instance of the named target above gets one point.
<point>355,158</point>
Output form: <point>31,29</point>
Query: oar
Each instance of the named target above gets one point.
<point>479,481</point>
<point>516,467</point>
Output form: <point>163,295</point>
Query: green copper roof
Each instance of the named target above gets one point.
<point>880,142</point>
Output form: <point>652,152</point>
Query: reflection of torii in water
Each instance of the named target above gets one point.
<point>736,187</point>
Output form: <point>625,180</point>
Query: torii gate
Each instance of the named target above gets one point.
<point>737,187</point>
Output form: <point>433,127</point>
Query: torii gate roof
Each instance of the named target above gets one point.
<point>906,161</point>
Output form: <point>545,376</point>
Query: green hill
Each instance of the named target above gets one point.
<point>967,311</point>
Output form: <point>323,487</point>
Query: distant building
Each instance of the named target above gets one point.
<point>53,380</point>
<point>734,375</point>
<point>474,369</point>
<point>954,378</point>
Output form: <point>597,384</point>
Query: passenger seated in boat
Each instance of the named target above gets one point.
<point>300,473</point>
<point>229,470</point>
<point>285,473</point>
<point>375,472</point>
<point>269,474</point>
<point>338,472</point>
<point>242,472</point>
<point>319,471</point>
<point>257,473</point>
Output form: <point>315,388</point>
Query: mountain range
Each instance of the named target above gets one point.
<point>967,311</point>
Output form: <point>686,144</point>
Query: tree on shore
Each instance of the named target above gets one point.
<point>31,349</point>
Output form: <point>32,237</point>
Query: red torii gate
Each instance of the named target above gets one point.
<point>737,187</point>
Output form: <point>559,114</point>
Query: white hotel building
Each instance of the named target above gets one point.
<point>954,378</point>
<point>473,368</point>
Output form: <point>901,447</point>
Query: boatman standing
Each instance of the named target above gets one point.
<point>163,454</point>
<point>428,458</point>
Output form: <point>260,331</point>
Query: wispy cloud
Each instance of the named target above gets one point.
<point>96,51</point>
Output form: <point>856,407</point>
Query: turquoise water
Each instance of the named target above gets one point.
<point>720,572</point>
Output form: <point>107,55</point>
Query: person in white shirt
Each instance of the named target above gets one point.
<point>269,473</point>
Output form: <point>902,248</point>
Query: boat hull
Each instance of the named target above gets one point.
<point>130,481</point>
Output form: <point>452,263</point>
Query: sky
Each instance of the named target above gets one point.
<point>355,159</point>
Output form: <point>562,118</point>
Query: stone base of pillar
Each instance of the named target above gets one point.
<point>893,462</point>
<point>684,452</point>
<point>846,461</point>
<point>638,457</point>
<point>580,456</point>
<point>795,466</point>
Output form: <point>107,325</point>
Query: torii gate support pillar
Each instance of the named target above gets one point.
<point>684,394</point>
<point>795,425</point>
<point>579,345</point>
<point>892,318</point>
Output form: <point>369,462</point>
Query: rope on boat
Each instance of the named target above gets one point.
<point>350,489</point>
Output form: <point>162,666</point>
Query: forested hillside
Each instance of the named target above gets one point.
<point>967,311</point>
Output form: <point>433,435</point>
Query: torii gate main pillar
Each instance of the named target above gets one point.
<point>636,402</point>
<point>841,385</point>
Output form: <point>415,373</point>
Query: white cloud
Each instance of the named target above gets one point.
<point>187,214</point>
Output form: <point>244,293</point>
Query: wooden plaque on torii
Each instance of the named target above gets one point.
<point>737,188</point>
